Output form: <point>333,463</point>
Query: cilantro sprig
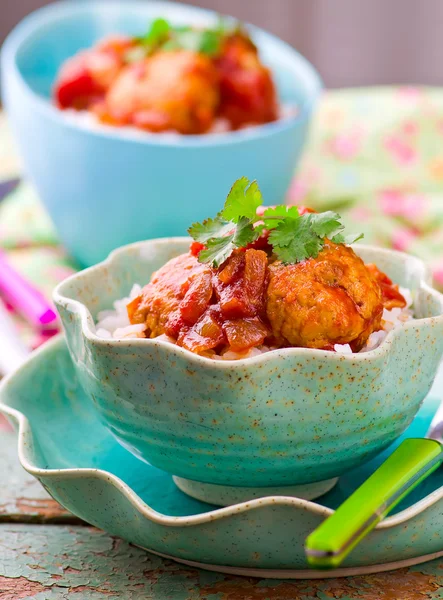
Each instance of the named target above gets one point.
<point>162,35</point>
<point>293,237</point>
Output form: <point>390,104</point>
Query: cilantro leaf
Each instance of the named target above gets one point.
<point>210,43</point>
<point>245,233</point>
<point>243,200</point>
<point>210,228</point>
<point>161,35</point>
<point>294,240</point>
<point>351,238</point>
<point>326,223</point>
<point>275,214</point>
<point>217,251</point>
<point>293,237</point>
<point>158,33</point>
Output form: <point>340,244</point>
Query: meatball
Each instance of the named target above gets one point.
<point>160,299</point>
<point>175,90</point>
<point>331,299</point>
<point>247,91</point>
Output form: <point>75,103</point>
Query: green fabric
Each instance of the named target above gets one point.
<point>375,155</point>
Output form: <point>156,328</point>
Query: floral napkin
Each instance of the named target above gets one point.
<point>376,156</point>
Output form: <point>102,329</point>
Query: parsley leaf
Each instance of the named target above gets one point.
<point>242,201</point>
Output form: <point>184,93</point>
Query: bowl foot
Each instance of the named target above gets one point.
<point>226,495</point>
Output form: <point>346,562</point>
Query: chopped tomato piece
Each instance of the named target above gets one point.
<point>391,296</point>
<point>76,86</point>
<point>197,298</point>
<point>241,286</point>
<point>234,303</point>
<point>256,265</point>
<point>247,90</point>
<point>174,324</point>
<point>206,334</point>
<point>209,308</point>
<point>245,333</point>
<point>195,248</point>
<point>85,78</point>
<point>232,268</point>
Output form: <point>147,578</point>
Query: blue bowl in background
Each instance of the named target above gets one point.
<point>104,188</point>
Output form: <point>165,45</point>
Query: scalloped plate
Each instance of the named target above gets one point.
<point>64,445</point>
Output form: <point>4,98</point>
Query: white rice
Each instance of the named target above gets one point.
<point>114,324</point>
<point>88,120</point>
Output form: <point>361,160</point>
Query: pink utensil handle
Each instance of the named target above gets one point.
<point>24,297</point>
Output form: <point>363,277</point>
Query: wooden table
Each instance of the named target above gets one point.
<point>47,553</point>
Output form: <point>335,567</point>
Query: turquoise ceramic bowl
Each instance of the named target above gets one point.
<point>287,417</point>
<point>105,188</point>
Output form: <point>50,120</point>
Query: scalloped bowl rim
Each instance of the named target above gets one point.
<point>153,515</point>
<point>86,318</point>
<point>62,9</point>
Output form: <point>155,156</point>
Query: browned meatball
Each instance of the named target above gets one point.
<point>331,299</point>
<point>176,90</point>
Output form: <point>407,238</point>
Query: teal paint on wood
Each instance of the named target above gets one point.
<point>78,563</point>
<point>22,498</point>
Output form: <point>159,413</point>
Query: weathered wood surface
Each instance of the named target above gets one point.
<point>22,498</point>
<point>43,562</point>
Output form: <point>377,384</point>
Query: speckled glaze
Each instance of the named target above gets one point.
<point>63,443</point>
<point>287,417</point>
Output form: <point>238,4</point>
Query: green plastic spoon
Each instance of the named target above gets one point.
<point>407,466</point>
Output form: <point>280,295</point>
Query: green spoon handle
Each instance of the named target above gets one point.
<point>407,466</point>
